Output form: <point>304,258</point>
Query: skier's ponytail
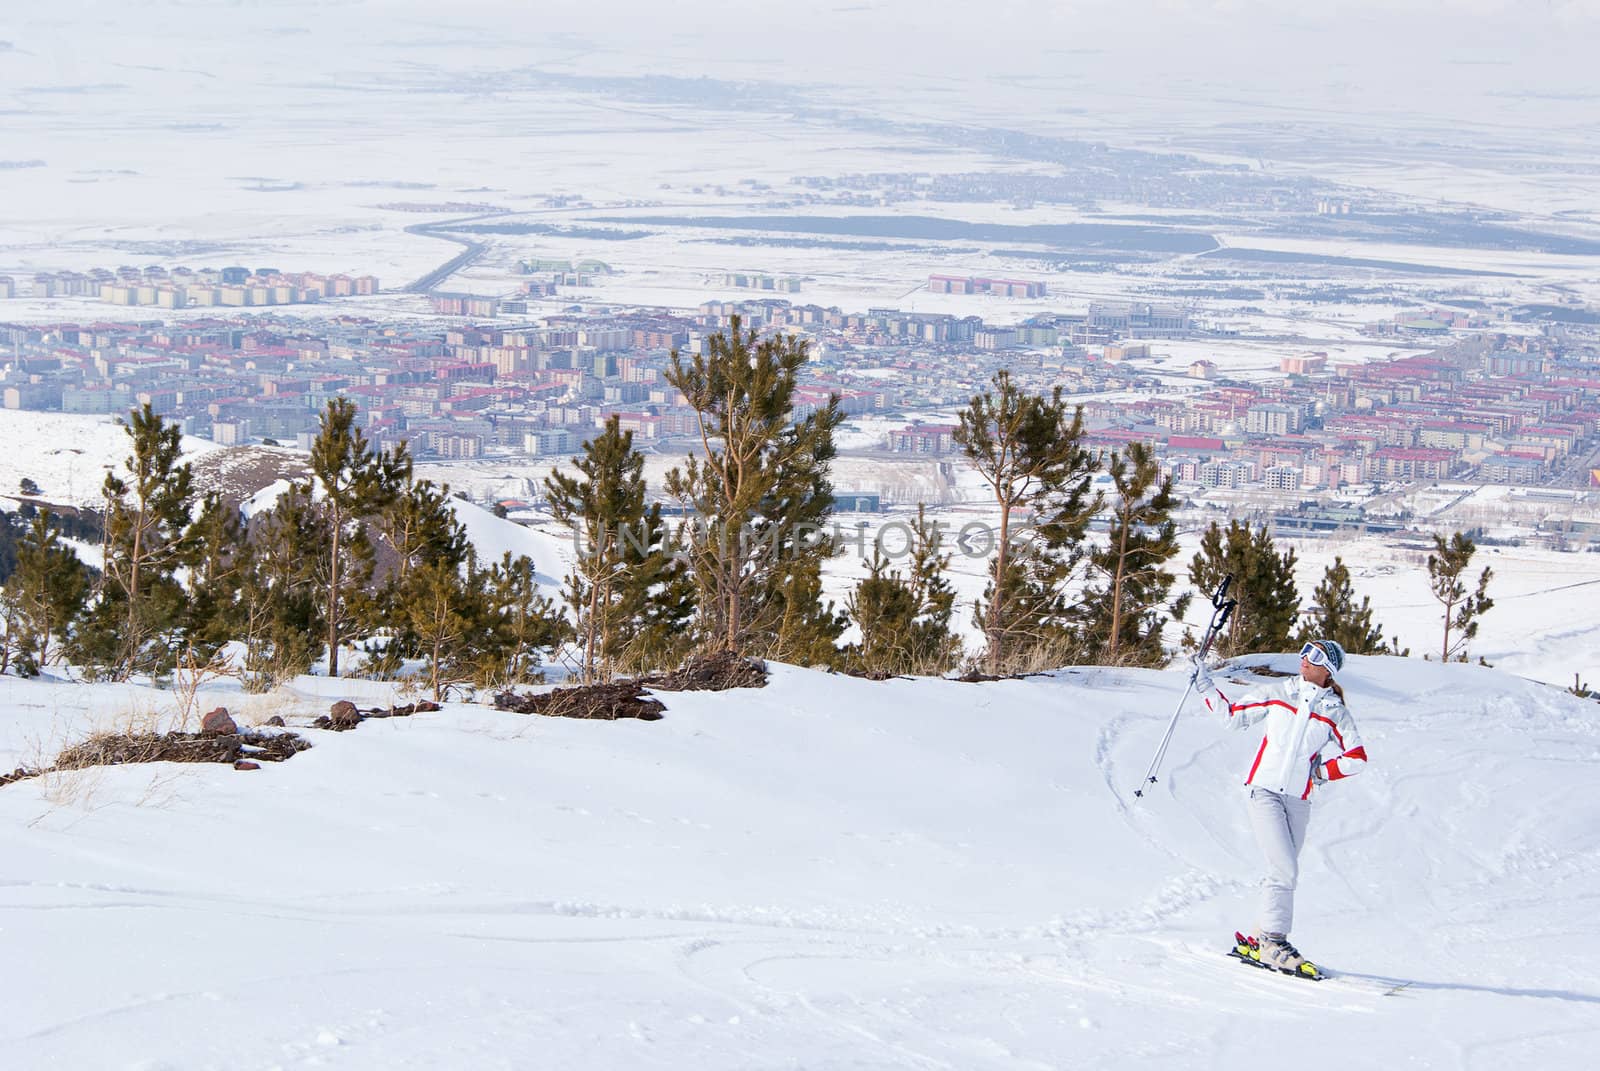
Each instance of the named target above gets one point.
<point>1338,691</point>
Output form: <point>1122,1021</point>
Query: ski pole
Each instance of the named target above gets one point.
<point>1221,608</point>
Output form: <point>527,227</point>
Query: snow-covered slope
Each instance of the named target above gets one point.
<point>493,537</point>
<point>825,873</point>
<point>67,455</point>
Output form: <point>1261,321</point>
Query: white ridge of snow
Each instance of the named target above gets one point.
<point>824,873</point>
<point>264,500</point>
<point>493,537</point>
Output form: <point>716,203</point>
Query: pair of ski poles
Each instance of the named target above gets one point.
<point>1221,607</point>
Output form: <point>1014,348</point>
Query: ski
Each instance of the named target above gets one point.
<point>1307,971</point>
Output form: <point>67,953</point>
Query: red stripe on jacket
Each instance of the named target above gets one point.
<point>1234,708</point>
<point>1260,751</point>
<point>1329,722</point>
<point>1334,773</point>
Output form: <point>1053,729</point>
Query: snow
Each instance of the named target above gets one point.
<point>494,537</point>
<point>67,454</point>
<point>265,499</point>
<point>825,873</point>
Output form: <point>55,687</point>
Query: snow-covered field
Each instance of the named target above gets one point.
<point>827,873</point>
<point>309,135</point>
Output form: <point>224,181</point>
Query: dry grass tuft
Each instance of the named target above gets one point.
<point>608,702</point>
<point>65,780</point>
<point>257,710</point>
<point>715,672</point>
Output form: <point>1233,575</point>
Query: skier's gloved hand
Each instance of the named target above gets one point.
<point>1319,773</point>
<point>1202,679</point>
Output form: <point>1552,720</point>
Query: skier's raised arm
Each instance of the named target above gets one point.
<point>1243,714</point>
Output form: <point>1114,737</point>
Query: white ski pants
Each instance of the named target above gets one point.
<point>1279,822</point>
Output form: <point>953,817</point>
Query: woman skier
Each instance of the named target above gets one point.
<point>1309,739</point>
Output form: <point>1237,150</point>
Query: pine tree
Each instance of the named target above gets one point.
<point>215,545</point>
<point>1031,456</point>
<point>140,605</point>
<point>281,590</point>
<point>356,482</point>
<point>1122,606</point>
<point>416,527</point>
<point>759,493</point>
<point>905,618</point>
<point>12,529</point>
<point>624,562</point>
<point>468,624</point>
<point>1337,616</point>
<point>1446,568</point>
<point>659,603</point>
<point>42,597</point>
<point>438,609</point>
<point>1268,603</point>
<point>518,622</point>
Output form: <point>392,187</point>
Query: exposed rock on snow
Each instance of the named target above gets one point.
<point>113,749</point>
<point>218,722</point>
<point>342,715</point>
<point>716,672</point>
<point>345,715</point>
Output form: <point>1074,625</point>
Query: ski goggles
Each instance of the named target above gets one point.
<point>1316,656</point>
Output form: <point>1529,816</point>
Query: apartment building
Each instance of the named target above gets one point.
<point>932,439</point>
<point>1273,419</point>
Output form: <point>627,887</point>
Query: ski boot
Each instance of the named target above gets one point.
<point>1274,952</point>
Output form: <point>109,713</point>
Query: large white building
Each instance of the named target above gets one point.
<point>1271,418</point>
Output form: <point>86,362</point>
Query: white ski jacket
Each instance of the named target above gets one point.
<point>1310,736</point>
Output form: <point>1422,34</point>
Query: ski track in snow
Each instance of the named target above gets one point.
<point>827,873</point>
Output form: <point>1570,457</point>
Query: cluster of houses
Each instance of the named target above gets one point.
<point>1512,414</point>
<point>187,288</point>
<point>1498,416</point>
<point>1509,411</point>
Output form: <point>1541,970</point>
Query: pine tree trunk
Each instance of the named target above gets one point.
<point>437,675</point>
<point>1449,611</point>
<point>1116,591</point>
<point>592,625</point>
<point>729,570</point>
<point>333,604</point>
<point>133,574</point>
<point>1001,561</point>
